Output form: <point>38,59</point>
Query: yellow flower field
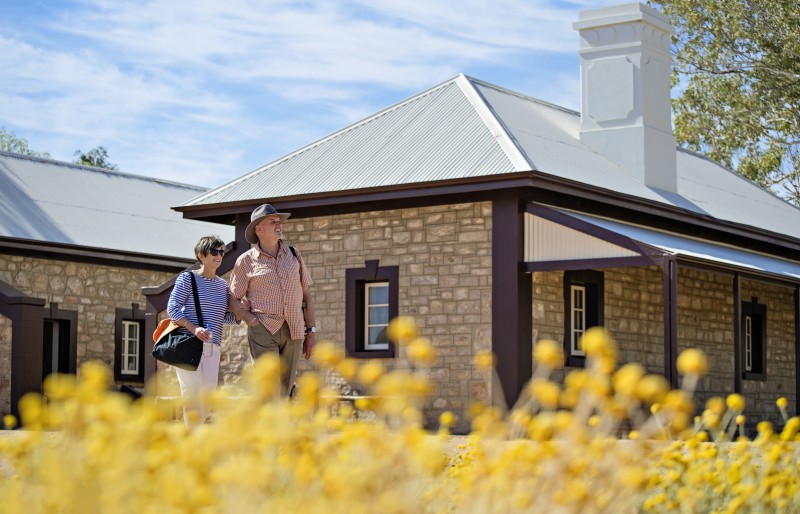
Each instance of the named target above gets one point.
<point>606,441</point>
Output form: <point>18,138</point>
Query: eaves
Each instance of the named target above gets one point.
<point>531,185</point>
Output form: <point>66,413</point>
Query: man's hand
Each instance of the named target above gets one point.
<point>308,345</point>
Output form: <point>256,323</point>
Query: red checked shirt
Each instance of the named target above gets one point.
<point>273,286</point>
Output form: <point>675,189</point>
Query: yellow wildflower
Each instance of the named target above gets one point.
<point>446,419</point>
<point>597,342</point>
<point>370,372</point>
<point>652,388</point>
<point>347,368</point>
<point>735,402</point>
<point>327,354</point>
<point>401,329</point>
<point>791,429</point>
<point>549,353</point>
<point>484,360</point>
<point>627,378</point>
<point>692,362</point>
<point>678,401</point>
<point>764,428</point>
<point>421,351</point>
<point>546,392</point>
<point>716,404</point>
<point>9,421</point>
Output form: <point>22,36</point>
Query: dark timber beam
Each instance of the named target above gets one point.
<point>670,273</point>
<point>511,298</point>
<point>797,350</point>
<point>26,314</point>
<point>737,333</point>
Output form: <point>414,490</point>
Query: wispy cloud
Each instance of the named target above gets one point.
<point>204,91</point>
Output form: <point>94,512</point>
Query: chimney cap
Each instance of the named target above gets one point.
<point>624,13</point>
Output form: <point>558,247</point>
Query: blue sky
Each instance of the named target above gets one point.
<point>205,91</point>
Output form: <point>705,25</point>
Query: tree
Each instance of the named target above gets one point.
<point>97,157</point>
<point>9,142</point>
<point>737,67</point>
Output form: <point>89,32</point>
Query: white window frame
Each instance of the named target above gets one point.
<point>124,354</point>
<point>578,306</point>
<point>748,343</point>
<point>367,344</point>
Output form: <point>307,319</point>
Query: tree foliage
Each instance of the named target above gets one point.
<point>10,142</point>
<point>97,157</point>
<point>737,65</point>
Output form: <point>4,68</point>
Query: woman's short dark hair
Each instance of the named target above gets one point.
<point>206,243</point>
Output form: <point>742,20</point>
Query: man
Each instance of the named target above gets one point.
<point>272,281</point>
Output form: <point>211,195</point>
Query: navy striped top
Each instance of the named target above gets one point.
<point>213,293</point>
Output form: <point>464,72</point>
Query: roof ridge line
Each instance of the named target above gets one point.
<point>524,96</point>
<point>736,174</point>
<point>96,169</point>
<point>501,134</point>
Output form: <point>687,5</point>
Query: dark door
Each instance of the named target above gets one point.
<point>56,347</point>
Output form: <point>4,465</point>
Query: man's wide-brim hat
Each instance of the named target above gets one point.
<point>261,212</point>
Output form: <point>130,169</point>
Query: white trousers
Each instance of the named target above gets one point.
<point>197,385</point>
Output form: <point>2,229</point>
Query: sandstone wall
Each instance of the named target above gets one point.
<point>93,290</point>
<point>444,256</point>
<point>634,313</point>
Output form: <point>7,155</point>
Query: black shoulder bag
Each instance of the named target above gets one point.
<point>180,349</point>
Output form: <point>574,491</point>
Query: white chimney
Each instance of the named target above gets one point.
<point>625,90</point>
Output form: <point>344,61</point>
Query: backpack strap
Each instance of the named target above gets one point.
<point>294,252</point>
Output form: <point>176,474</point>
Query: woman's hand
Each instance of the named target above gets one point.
<point>203,334</point>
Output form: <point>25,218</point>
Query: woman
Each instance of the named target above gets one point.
<point>213,294</point>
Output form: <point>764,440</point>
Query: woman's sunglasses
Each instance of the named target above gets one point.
<point>216,252</point>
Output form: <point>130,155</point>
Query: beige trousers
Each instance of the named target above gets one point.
<point>288,349</point>
<point>196,386</point>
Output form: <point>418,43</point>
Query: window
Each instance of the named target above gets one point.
<point>376,314</point>
<point>754,340</point>
<point>129,362</point>
<point>748,343</point>
<point>578,294</point>
<point>129,344</point>
<point>371,302</point>
<point>583,309</point>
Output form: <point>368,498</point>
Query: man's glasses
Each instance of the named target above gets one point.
<point>215,251</point>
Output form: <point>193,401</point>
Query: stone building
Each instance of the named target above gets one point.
<point>77,245</point>
<point>496,220</point>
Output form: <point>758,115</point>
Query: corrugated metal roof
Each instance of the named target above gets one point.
<point>552,240</point>
<point>436,135</point>
<point>52,201</point>
<point>549,136</point>
<point>699,250</point>
<point>468,128</point>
